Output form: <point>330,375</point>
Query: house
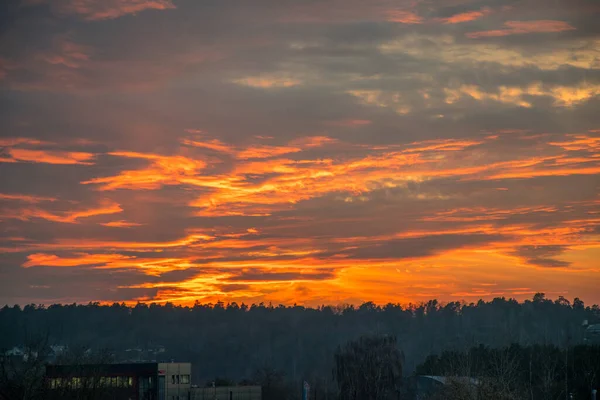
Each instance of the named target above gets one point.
<point>592,333</point>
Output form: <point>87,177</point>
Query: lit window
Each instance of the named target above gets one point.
<point>185,379</point>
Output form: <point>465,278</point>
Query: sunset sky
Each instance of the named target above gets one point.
<point>299,151</point>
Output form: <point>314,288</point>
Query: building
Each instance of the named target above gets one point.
<point>227,393</point>
<point>592,334</point>
<point>137,381</point>
<point>21,353</point>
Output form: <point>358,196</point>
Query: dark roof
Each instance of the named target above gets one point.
<point>102,369</point>
<point>593,328</point>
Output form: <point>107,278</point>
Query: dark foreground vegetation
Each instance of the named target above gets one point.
<point>531,350</point>
<point>518,372</point>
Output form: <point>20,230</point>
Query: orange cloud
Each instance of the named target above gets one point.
<point>268,82</point>
<point>10,142</point>
<point>180,170</point>
<point>213,144</point>
<point>67,53</point>
<point>107,9</point>
<point>49,157</point>
<point>579,142</point>
<point>322,209</point>
<point>268,278</point>
<point>67,66</point>
<point>260,151</point>
<point>484,214</point>
<point>25,198</point>
<point>560,171</point>
<point>387,167</point>
<point>271,184</point>
<point>403,16</point>
<point>466,16</point>
<point>265,151</point>
<point>233,195</point>
<point>163,170</point>
<point>344,11</point>
<point>68,217</point>
<point>82,259</point>
<point>563,96</point>
<point>120,224</point>
<point>523,27</point>
<point>459,270</point>
<point>441,145</point>
<point>77,244</point>
<point>149,266</point>
<point>313,141</point>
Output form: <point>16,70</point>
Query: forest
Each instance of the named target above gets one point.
<point>281,346</point>
<point>519,372</point>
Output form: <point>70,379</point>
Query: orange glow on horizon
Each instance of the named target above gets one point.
<point>289,262</point>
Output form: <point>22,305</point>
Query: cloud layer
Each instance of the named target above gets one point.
<point>314,152</point>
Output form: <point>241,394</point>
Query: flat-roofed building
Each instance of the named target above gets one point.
<point>136,381</point>
<point>177,378</point>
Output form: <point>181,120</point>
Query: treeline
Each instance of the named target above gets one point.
<point>235,341</point>
<point>369,368</point>
<point>517,372</point>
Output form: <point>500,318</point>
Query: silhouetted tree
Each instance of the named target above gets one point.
<point>296,340</point>
<point>273,383</point>
<point>22,377</point>
<point>369,368</point>
<point>517,372</point>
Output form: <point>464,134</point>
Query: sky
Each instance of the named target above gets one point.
<point>299,151</point>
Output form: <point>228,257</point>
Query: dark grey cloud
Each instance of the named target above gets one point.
<point>180,275</point>
<point>418,247</point>
<point>66,285</point>
<point>543,256</point>
<point>233,287</point>
<point>254,274</point>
